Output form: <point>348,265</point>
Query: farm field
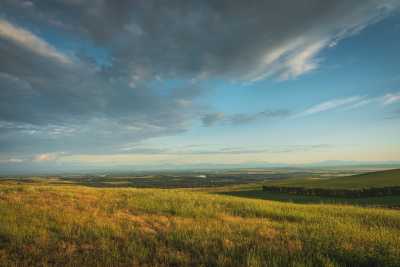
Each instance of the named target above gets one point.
<point>364,180</point>
<point>75,225</point>
<point>375,179</point>
<point>257,193</point>
<point>182,179</point>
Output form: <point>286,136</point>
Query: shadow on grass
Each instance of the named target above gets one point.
<point>385,201</point>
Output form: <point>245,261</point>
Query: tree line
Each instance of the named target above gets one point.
<point>336,192</point>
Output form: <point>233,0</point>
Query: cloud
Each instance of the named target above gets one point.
<point>11,160</point>
<point>350,103</point>
<point>45,157</point>
<point>32,42</point>
<point>360,103</point>
<point>290,61</point>
<point>89,76</point>
<point>233,40</point>
<point>217,150</point>
<point>304,61</point>
<point>391,98</point>
<point>243,118</point>
<point>334,104</point>
<point>212,119</point>
<point>393,115</point>
<point>47,105</point>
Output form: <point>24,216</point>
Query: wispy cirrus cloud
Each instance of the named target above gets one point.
<point>346,103</point>
<point>11,160</point>
<point>215,149</point>
<point>349,103</point>
<point>333,104</point>
<point>391,98</point>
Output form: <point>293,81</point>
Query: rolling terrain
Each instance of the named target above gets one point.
<point>365,180</point>
<point>46,224</point>
<point>375,179</point>
<point>80,226</point>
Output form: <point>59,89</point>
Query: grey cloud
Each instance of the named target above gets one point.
<point>230,39</point>
<point>212,119</point>
<point>267,114</point>
<point>393,115</point>
<point>54,100</point>
<point>47,105</point>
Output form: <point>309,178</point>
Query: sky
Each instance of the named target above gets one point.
<point>151,84</point>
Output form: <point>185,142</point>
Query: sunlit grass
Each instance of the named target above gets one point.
<point>80,226</point>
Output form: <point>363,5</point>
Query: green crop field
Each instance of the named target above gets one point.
<point>42,225</point>
<point>372,179</point>
<point>367,180</point>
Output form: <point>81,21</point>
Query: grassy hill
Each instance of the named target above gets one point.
<point>81,226</point>
<point>372,179</point>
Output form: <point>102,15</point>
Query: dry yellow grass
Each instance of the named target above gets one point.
<point>80,226</point>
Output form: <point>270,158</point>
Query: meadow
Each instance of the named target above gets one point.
<point>386,178</point>
<point>61,225</point>
<point>351,183</point>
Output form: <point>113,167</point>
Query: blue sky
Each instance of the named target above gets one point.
<point>105,84</point>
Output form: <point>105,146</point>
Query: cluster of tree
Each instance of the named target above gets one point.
<point>336,192</point>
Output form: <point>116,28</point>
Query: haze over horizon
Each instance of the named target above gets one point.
<point>97,84</point>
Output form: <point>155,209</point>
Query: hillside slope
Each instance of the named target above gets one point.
<point>372,179</point>
<point>80,226</point>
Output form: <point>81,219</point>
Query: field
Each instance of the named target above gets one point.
<point>60,224</point>
<point>364,180</point>
<point>181,179</point>
<point>388,178</point>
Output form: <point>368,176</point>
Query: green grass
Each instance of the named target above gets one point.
<point>81,226</point>
<point>372,179</point>
<point>258,193</point>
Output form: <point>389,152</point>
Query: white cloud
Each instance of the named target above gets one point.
<point>299,54</point>
<point>391,98</point>
<point>303,61</point>
<point>11,160</point>
<point>184,103</point>
<point>30,41</point>
<point>352,102</point>
<point>333,104</point>
<point>361,103</point>
<point>295,58</point>
<point>45,157</point>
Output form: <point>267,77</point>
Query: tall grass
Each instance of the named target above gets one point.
<point>79,226</point>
